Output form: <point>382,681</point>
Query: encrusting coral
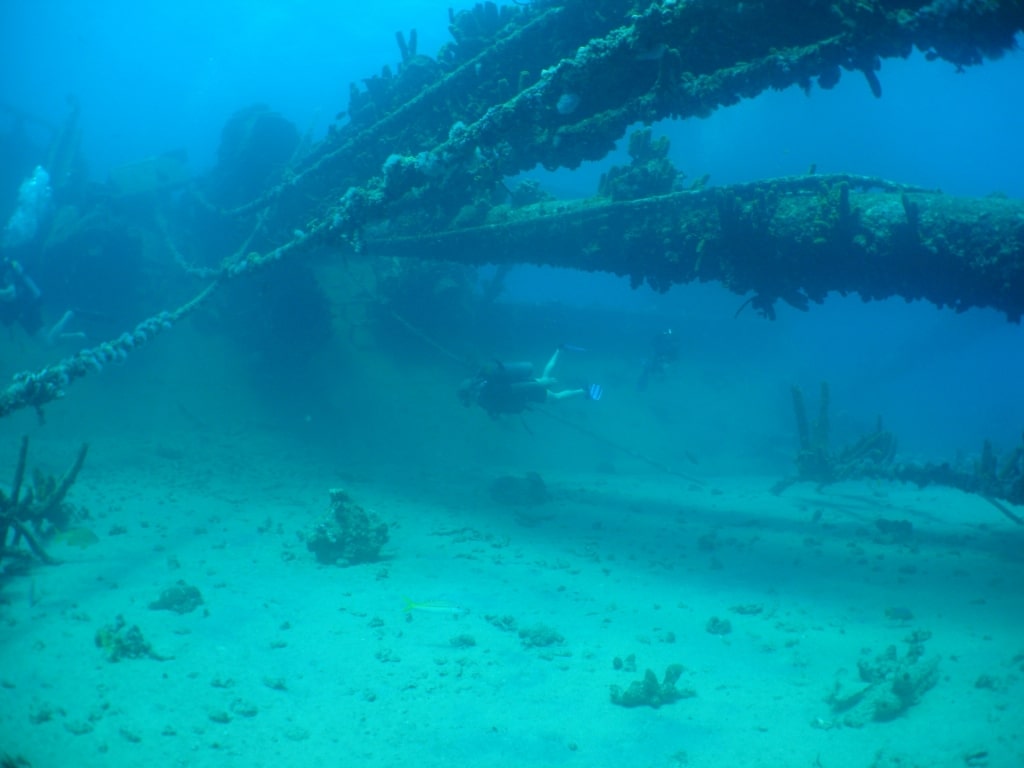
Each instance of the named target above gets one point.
<point>349,534</point>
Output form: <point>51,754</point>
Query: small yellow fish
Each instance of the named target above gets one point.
<point>77,537</point>
<point>433,606</point>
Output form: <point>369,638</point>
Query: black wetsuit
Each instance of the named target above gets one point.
<point>509,388</point>
<point>666,349</point>
<point>24,307</point>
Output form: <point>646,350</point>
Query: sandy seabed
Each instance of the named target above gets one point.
<point>289,662</point>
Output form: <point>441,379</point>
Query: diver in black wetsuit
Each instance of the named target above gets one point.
<point>20,298</point>
<point>665,351</point>
<point>501,388</point>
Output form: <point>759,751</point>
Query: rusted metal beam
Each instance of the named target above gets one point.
<point>792,239</point>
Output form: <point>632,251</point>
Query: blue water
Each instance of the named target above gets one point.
<point>255,406</point>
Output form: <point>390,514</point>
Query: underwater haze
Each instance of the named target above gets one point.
<point>154,78</point>
<point>339,511</point>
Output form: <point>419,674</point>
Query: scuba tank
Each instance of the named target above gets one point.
<point>507,373</point>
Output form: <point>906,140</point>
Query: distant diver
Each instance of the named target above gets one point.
<point>20,297</point>
<point>664,352</point>
<point>509,388</point>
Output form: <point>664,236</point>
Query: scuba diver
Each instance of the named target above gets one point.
<point>665,350</point>
<point>501,388</point>
<point>20,297</point>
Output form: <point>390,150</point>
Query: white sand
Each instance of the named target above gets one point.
<point>618,565</point>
